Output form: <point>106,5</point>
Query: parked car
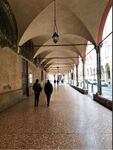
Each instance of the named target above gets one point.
<point>89,81</point>
<point>104,83</point>
<point>92,81</point>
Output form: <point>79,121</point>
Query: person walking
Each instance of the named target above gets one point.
<point>48,89</point>
<point>37,89</point>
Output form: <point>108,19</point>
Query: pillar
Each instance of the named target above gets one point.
<point>69,77</point>
<point>83,72</point>
<point>72,76</point>
<point>77,84</point>
<point>99,89</point>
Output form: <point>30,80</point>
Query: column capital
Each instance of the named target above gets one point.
<point>97,47</point>
<point>83,59</point>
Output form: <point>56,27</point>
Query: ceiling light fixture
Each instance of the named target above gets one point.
<point>55,35</point>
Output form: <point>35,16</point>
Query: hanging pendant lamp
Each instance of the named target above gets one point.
<point>55,35</point>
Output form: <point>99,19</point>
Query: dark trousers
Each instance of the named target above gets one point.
<point>48,95</point>
<point>36,98</point>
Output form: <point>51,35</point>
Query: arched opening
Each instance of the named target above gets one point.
<point>102,73</point>
<point>107,71</point>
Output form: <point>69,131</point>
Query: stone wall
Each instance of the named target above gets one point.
<point>10,70</point>
<point>10,98</point>
<point>11,91</point>
<point>102,100</point>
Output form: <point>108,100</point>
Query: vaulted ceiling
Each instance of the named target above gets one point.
<point>78,21</point>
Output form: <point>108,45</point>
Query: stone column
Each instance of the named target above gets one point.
<point>77,84</point>
<point>99,89</point>
<point>83,71</point>
<point>54,77</point>
<point>68,77</point>
<point>72,76</point>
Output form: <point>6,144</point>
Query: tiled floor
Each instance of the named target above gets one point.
<point>73,121</point>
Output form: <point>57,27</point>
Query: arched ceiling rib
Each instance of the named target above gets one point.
<point>65,60</point>
<point>89,12</point>
<point>69,39</point>
<point>81,18</point>
<point>77,21</point>
<point>25,11</point>
<point>64,68</point>
<point>60,54</point>
<point>57,49</point>
<point>63,55</point>
<point>67,24</point>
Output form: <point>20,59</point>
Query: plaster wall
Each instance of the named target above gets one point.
<point>35,72</point>
<point>10,70</point>
<point>10,78</point>
<point>11,91</point>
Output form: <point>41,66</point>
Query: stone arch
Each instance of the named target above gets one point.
<point>107,71</point>
<point>8,26</point>
<point>102,72</point>
<point>103,20</point>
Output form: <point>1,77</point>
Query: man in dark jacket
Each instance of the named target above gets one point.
<point>48,88</point>
<point>37,89</point>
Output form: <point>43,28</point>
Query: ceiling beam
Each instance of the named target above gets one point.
<point>56,57</point>
<point>77,44</point>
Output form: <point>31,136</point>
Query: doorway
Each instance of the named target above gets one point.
<point>25,86</point>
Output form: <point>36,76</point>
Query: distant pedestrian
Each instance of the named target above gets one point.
<point>48,88</point>
<point>54,81</point>
<point>57,81</point>
<point>37,89</point>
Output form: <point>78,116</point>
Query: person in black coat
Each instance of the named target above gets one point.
<point>48,88</point>
<point>37,89</point>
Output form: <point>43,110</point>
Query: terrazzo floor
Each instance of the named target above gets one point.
<point>72,122</point>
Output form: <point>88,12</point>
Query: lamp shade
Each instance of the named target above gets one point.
<point>55,37</point>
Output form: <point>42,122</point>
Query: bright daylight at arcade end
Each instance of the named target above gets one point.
<point>56,74</point>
